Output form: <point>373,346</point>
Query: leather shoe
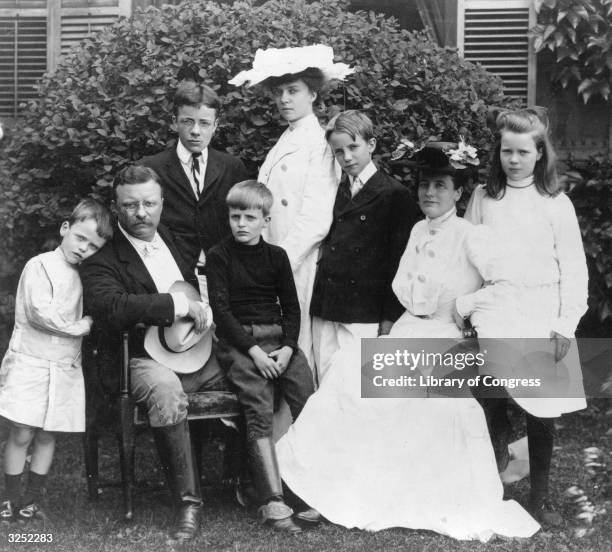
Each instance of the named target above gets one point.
<point>7,511</point>
<point>187,522</point>
<point>310,516</point>
<point>545,513</point>
<point>30,512</point>
<point>277,515</point>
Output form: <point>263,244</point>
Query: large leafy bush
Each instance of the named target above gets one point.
<point>588,182</point>
<point>109,102</point>
<point>579,32</point>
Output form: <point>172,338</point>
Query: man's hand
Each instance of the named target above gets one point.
<point>384,327</point>
<point>561,345</point>
<point>282,357</point>
<point>197,312</point>
<point>266,365</point>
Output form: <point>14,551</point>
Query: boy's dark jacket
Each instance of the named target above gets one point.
<point>196,224</point>
<point>361,253</point>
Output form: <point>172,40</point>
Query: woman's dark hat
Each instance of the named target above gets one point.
<point>445,157</point>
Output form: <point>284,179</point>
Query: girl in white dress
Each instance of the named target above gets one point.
<point>534,226</point>
<point>41,382</point>
<point>421,463</point>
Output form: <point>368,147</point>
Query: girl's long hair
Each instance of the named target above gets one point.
<point>533,121</point>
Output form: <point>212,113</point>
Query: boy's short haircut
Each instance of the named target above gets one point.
<point>351,122</point>
<point>194,94</point>
<point>250,194</point>
<point>89,208</point>
<point>135,174</point>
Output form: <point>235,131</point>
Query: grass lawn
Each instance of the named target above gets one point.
<point>76,524</point>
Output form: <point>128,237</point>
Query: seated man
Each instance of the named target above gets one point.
<point>127,282</point>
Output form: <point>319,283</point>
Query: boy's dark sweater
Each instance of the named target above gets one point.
<point>251,284</point>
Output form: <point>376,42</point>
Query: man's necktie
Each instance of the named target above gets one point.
<point>355,186</point>
<point>195,170</point>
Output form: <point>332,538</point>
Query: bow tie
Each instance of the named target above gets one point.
<point>148,249</point>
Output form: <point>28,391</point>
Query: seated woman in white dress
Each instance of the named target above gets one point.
<point>420,463</point>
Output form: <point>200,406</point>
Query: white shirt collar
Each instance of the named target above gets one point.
<point>185,155</point>
<point>522,183</point>
<point>142,245</point>
<point>367,173</point>
<point>439,221</point>
<point>305,121</point>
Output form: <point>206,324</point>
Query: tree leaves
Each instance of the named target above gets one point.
<point>580,33</point>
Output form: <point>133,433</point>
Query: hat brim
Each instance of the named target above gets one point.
<point>432,157</point>
<point>252,77</point>
<point>185,362</point>
<point>194,356</point>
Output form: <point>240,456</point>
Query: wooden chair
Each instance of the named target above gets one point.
<point>203,405</point>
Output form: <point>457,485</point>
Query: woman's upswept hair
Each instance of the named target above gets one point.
<point>250,194</point>
<point>312,77</point>
<point>533,121</point>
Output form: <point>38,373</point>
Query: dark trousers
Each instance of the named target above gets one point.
<point>256,393</point>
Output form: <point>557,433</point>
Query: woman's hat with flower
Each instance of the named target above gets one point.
<point>276,62</point>
<point>447,157</point>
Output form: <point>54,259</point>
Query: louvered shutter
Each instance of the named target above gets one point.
<point>35,33</point>
<point>494,34</point>
<point>79,18</point>
<point>23,51</point>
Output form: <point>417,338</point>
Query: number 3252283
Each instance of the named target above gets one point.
<point>30,537</point>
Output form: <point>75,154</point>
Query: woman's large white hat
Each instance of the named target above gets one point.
<point>275,62</point>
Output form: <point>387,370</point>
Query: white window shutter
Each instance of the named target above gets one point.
<point>494,33</point>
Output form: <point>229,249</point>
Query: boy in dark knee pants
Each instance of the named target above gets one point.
<point>254,301</point>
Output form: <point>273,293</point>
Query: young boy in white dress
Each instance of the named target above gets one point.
<point>41,381</point>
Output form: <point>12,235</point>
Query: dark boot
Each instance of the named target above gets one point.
<point>540,436</point>
<point>273,512</point>
<point>236,473</point>
<point>179,465</point>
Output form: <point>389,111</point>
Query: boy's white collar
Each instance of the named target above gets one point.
<point>185,155</point>
<point>367,173</point>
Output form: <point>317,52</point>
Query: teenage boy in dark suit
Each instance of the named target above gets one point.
<point>195,177</point>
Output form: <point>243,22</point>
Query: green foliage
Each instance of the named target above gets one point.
<point>579,32</point>
<point>109,102</point>
<point>589,186</point>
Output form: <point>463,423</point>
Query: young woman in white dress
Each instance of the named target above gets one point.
<point>420,463</point>
<point>299,169</point>
<point>535,228</point>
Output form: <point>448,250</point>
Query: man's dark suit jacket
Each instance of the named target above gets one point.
<point>118,292</point>
<point>196,224</point>
<point>361,253</point>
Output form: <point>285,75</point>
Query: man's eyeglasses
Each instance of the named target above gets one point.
<point>134,206</point>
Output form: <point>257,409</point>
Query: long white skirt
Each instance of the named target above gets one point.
<point>381,463</point>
